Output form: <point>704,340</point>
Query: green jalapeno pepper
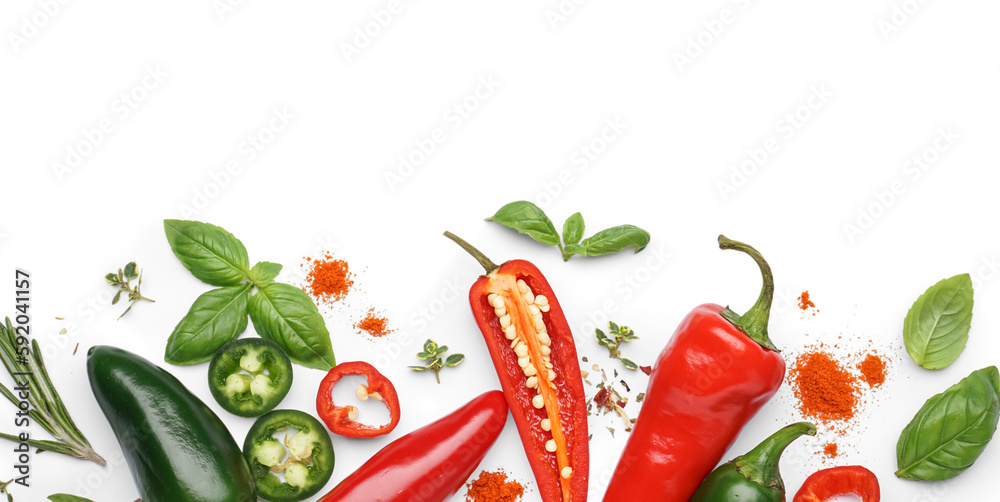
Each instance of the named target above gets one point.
<point>753,477</point>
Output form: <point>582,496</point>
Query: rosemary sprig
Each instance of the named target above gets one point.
<point>121,279</point>
<point>432,354</point>
<point>47,408</point>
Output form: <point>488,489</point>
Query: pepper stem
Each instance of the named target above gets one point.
<point>761,463</point>
<point>754,321</point>
<point>477,254</point>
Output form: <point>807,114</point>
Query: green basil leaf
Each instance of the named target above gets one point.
<point>212,254</point>
<point>951,430</point>
<point>573,229</point>
<point>117,297</point>
<point>418,368</point>
<point>62,497</point>
<point>216,318</point>
<point>264,273</point>
<point>527,219</point>
<point>615,239</point>
<point>936,328</point>
<point>287,316</point>
<point>572,249</point>
<point>454,359</point>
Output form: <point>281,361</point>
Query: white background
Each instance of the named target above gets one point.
<point>843,94</point>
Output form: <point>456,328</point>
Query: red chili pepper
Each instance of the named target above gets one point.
<point>535,358</point>
<point>843,480</point>
<point>341,419</point>
<point>429,464</point>
<point>716,372</point>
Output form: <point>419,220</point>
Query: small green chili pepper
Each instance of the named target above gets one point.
<point>753,477</point>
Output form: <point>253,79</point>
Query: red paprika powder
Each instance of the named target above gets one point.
<point>494,487</point>
<point>825,390</point>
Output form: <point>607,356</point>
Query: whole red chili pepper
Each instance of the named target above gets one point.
<point>843,480</point>
<point>716,372</point>
<point>535,358</point>
<point>341,420</point>
<point>429,464</point>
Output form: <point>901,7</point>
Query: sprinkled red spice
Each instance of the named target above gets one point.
<point>494,487</point>
<point>804,302</point>
<point>374,324</point>
<point>328,279</point>
<point>825,390</point>
<point>873,370</point>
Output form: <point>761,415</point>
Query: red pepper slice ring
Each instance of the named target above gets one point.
<point>341,420</point>
<point>844,480</point>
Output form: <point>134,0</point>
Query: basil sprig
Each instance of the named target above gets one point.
<point>936,328</point>
<point>529,219</point>
<point>281,313</point>
<point>951,430</point>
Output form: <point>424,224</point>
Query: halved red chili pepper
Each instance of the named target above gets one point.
<point>844,480</point>
<point>535,358</point>
<point>341,420</point>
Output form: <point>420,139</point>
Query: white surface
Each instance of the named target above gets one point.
<point>321,183</point>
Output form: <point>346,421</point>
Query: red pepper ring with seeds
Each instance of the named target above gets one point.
<point>535,358</point>
<point>342,420</point>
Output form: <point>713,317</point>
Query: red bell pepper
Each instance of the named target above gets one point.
<point>341,420</point>
<point>429,464</point>
<point>535,359</point>
<point>715,373</point>
<point>844,480</point>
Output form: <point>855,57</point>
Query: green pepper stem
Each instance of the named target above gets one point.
<point>761,463</point>
<point>754,321</point>
<point>477,254</point>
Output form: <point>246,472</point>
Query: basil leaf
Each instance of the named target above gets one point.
<point>287,316</point>
<point>212,254</point>
<point>527,219</point>
<point>613,240</point>
<point>936,328</point>
<point>951,430</point>
<point>216,318</point>
<point>264,273</point>
<point>573,229</point>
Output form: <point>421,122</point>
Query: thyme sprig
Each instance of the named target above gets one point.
<point>433,353</point>
<point>619,335</point>
<point>122,279</point>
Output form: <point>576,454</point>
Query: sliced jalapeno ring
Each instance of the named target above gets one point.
<point>303,456</point>
<point>250,376</point>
